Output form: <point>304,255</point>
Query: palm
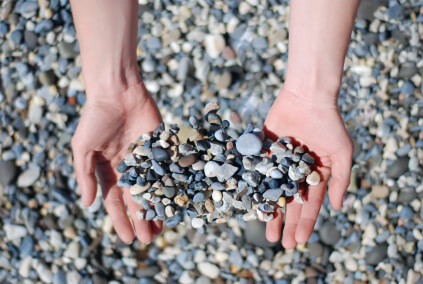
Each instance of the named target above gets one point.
<point>320,128</point>
<point>100,143</point>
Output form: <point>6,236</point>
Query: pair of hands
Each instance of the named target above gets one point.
<point>110,123</point>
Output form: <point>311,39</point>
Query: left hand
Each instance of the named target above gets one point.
<point>319,126</point>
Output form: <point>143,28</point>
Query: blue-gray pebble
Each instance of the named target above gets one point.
<point>249,144</point>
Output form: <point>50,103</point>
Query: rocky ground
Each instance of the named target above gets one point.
<point>192,52</point>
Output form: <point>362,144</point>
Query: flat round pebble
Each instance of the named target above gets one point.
<point>248,144</point>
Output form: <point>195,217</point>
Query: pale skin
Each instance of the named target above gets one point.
<point>117,102</point>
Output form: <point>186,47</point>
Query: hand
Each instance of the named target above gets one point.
<point>319,126</point>
<point>110,122</point>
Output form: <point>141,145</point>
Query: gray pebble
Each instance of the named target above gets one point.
<point>249,144</point>
<point>273,194</point>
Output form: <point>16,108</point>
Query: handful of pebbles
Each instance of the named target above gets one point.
<point>212,177</point>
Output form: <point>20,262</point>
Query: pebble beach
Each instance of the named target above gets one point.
<point>191,53</point>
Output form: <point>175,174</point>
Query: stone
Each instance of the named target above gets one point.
<point>211,169</point>
<point>8,172</point>
<point>197,223</point>
<point>198,197</point>
<point>208,269</point>
<point>329,233</point>
<point>160,154</point>
<point>137,189</point>
<point>187,161</point>
<point>376,254</point>
<point>226,171</point>
<point>313,178</point>
<point>248,144</point>
<point>380,191</point>
<point>14,231</point>
<point>214,44</point>
<point>169,191</point>
<point>397,168</point>
<point>217,195</point>
<point>67,50</point>
<point>28,177</point>
<point>273,194</point>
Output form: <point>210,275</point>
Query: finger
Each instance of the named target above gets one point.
<point>143,228</point>
<point>85,173</point>
<point>311,208</point>
<point>157,227</point>
<point>341,173</point>
<point>293,211</point>
<point>274,227</point>
<point>113,201</point>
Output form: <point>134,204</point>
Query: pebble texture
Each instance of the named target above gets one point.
<point>250,195</point>
<point>242,65</point>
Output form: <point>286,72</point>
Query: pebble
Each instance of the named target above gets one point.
<point>380,191</point>
<point>226,171</point>
<point>313,178</point>
<point>28,177</point>
<point>8,172</point>
<point>329,233</point>
<point>214,45</point>
<point>376,254</point>
<point>217,195</point>
<point>248,144</point>
<point>187,161</point>
<point>273,194</point>
<point>208,269</point>
<point>159,154</point>
<point>211,169</point>
<point>197,223</point>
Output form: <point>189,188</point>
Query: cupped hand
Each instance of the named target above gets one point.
<point>110,122</point>
<point>317,125</point>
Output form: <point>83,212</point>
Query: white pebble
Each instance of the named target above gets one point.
<point>313,178</point>
<point>217,195</point>
<point>197,223</point>
<point>209,270</point>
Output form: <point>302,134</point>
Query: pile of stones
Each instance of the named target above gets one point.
<point>203,173</point>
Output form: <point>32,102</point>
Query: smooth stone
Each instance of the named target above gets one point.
<point>226,171</point>
<point>28,177</point>
<point>406,213</point>
<point>137,189</point>
<point>158,169</point>
<point>8,171</point>
<point>160,209</point>
<point>329,233</point>
<point>397,168</point>
<point>211,107</point>
<point>173,221</point>
<point>208,269</point>
<point>249,144</point>
<point>217,186</point>
<point>214,44</point>
<point>211,169</point>
<point>313,178</point>
<point>187,161</point>
<point>273,194</point>
<point>169,191</point>
<point>67,50</point>
<point>150,214</point>
<point>198,166</point>
<point>217,195</point>
<point>198,197</point>
<point>380,191</point>
<point>376,254</point>
<point>197,223</point>
<point>160,154</point>
<point>276,174</point>
<point>308,158</point>
<point>14,231</point>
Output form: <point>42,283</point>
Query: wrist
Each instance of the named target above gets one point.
<point>313,87</point>
<point>110,82</point>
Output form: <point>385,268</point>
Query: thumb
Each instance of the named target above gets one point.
<point>85,171</point>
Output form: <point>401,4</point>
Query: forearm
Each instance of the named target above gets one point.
<point>319,34</point>
<point>107,34</point>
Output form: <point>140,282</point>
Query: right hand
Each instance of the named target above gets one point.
<point>110,122</point>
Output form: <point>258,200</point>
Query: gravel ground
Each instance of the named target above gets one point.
<point>192,52</point>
